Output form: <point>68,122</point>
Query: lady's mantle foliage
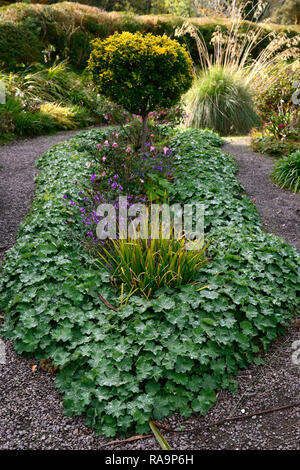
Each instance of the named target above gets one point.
<point>172,352</point>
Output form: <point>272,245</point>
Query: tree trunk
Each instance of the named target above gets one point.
<point>144,130</point>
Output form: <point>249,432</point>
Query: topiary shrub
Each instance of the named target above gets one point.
<point>141,72</point>
<point>219,100</point>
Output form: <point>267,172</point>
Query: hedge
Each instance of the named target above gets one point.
<point>18,45</point>
<point>174,351</point>
<point>71,26</point>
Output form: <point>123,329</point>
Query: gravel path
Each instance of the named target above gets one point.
<point>16,181</point>
<point>279,209</point>
<point>31,414</point>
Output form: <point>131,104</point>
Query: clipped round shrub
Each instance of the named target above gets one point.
<point>219,100</point>
<point>141,72</point>
<point>287,172</point>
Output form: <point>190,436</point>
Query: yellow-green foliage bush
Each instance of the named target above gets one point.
<point>141,72</point>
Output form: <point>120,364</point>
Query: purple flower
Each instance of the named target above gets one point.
<point>65,196</point>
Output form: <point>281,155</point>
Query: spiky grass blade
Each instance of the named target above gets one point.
<point>159,437</point>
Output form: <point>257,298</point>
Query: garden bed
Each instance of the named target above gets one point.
<point>174,351</point>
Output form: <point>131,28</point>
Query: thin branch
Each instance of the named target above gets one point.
<point>107,303</point>
<point>233,418</point>
<point>130,439</point>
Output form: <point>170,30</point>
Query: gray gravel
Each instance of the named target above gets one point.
<point>279,209</point>
<point>16,181</point>
<point>31,414</point>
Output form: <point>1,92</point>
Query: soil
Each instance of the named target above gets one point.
<point>31,413</point>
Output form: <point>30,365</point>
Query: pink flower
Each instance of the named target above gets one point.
<point>116,135</point>
<point>99,147</point>
<point>106,142</point>
<point>142,181</point>
<point>165,150</point>
<point>103,173</point>
<point>152,135</point>
<point>105,116</point>
<point>103,159</point>
<point>115,144</point>
<point>128,149</point>
<point>87,164</point>
<point>152,148</point>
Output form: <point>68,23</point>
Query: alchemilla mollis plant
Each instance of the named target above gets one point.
<point>146,358</point>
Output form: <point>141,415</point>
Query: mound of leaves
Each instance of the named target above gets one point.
<point>149,358</point>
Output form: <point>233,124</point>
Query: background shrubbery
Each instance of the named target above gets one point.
<point>278,111</point>
<point>69,27</point>
<point>42,99</point>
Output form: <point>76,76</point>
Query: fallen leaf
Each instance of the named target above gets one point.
<point>33,368</point>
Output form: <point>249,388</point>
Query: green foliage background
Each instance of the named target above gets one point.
<point>70,27</point>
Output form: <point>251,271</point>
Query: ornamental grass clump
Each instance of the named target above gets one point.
<point>220,100</point>
<point>287,172</point>
<point>144,265</point>
<point>230,73</point>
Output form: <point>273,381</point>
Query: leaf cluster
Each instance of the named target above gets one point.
<point>151,357</point>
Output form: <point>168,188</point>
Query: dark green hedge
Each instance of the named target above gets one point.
<point>18,45</point>
<point>71,26</point>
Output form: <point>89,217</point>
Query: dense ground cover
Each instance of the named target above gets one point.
<point>173,351</point>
